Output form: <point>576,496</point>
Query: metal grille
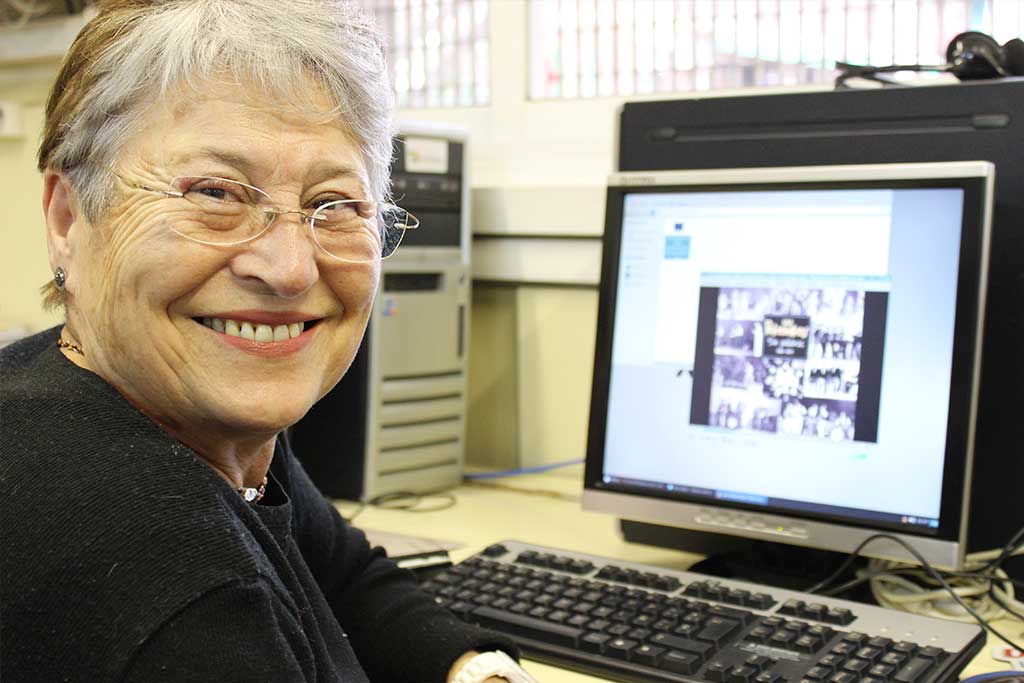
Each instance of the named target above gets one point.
<point>591,48</point>
<point>438,51</point>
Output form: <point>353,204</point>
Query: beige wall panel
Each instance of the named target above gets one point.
<point>556,348</point>
<point>23,261</point>
<point>492,426</point>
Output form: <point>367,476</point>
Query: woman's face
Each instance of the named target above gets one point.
<point>143,291</point>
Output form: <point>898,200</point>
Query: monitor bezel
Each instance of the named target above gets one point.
<point>943,546</point>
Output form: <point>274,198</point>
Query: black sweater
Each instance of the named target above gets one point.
<point>123,556</point>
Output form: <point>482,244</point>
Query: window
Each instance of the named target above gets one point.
<point>438,50</point>
<point>591,48</point>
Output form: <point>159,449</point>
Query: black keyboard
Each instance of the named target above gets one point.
<point>635,623</point>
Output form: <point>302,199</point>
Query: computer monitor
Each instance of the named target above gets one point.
<point>792,354</point>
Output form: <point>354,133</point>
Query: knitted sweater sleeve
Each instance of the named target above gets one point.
<point>240,631</point>
<point>396,630</point>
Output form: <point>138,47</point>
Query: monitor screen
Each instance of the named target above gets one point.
<point>792,354</point>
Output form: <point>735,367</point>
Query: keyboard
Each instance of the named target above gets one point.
<point>631,622</point>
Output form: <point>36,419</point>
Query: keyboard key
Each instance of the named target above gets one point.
<point>893,658</point>
<point>881,643</point>
<point>904,648</point>
<point>640,634</point>
<point>740,674</point>
<point>830,660</point>
<point>914,670</point>
<point>740,615</point>
<point>818,673</point>
<point>881,670</point>
<point>619,629</point>
<point>857,666</point>
<point>869,653</point>
<point>522,625</point>
<point>808,643</point>
<point>760,601</point>
<point>648,655</point>
<point>760,633</point>
<point>931,653</point>
<point>768,677</point>
<point>839,615</point>
<point>842,677</point>
<point>680,662</point>
<point>791,607</point>
<point>620,648</point>
<point>717,630</point>
<point>716,671</point>
<point>594,642</point>
<point>757,661</point>
<point>782,638</point>
<point>694,647</point>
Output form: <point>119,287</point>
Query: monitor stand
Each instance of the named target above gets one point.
<point>760,562</point>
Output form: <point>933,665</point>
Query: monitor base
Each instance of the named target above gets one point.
<point>759,562</point>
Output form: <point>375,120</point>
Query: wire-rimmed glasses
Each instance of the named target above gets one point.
<point>226,212</point>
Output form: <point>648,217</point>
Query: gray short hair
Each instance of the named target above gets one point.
<point>136,52</point>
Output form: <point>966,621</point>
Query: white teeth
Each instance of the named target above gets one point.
<point>255,331</point>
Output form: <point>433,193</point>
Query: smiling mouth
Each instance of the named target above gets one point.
<point>258,332</point>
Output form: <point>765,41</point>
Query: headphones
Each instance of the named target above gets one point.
<point>971,55</point>
<point>974,55</point>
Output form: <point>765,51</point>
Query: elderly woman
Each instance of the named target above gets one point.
<point>215,184</point>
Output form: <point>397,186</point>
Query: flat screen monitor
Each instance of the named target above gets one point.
<point>792,354</point>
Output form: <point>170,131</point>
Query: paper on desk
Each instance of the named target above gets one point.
<point>402,545</point>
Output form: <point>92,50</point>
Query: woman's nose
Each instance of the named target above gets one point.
<point>283,257</point>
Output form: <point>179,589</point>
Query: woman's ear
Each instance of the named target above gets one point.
<point>62,213</point>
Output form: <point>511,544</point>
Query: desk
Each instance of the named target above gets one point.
<point>482,516</point>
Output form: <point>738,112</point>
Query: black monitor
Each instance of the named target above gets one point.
<point>792,354</point>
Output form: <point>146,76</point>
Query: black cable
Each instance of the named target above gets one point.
<point>407,501</point>
<point>871,73</point>
<point>927,566</point>
<point>999,601</point>
<point>1012,546</point>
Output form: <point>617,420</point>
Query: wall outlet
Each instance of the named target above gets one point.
<point>10,120</point>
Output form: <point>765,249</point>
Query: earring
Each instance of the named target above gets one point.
<point>60,277</point>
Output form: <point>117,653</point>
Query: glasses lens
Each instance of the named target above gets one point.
<point>359,230</point>
<point>219,211</point>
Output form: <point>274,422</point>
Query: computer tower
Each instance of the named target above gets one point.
<point>958,122</point>
<point>396,420</point>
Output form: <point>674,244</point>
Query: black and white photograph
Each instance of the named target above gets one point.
<point>787,360</point>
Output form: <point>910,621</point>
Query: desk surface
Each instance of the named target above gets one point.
<point>483,515</point>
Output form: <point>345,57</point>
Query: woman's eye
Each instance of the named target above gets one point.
<point>220,192</point>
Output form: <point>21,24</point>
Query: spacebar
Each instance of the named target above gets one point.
<point>528,627</point>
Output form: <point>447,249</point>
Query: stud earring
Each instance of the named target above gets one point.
<point>60,277</point>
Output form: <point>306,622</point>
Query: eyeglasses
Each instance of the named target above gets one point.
<point>225,212</point>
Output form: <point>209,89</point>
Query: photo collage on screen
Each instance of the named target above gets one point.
<point>787,361</point>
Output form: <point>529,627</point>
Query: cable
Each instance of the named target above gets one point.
<point>523,470</point>
<point>520,489</point>
<point>872,73</point>
<point>993,676</point>
<point>407,501</point>
<point>932,573</point>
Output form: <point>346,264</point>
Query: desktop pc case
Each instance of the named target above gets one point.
<point>396,420</point>
<point>980,120</point>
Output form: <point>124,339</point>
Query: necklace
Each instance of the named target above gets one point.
<point>253,495</point>
<point>70,346</point>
